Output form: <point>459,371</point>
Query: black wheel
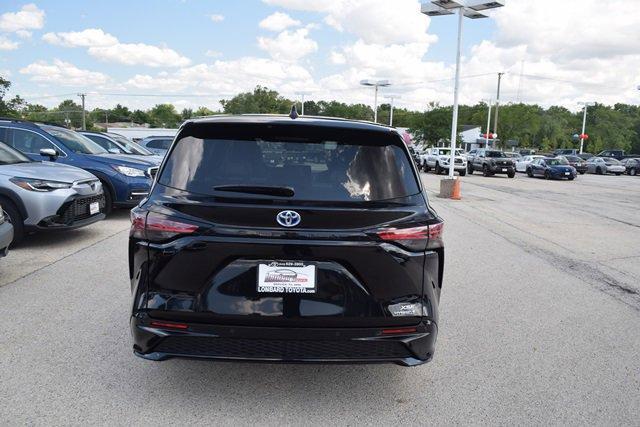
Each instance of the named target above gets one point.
<point>463,172</point>
<point>437,169</point>
<point>633,172</point>
<point>485,170</point>
<point>470,169</point>
<point>546,175</point>
<point>529,173</point>
<point>12,214</point>
<point>571,178</point>
<point>598,171</point>
<point>108,198</point>
<point>425,167</point>
<point>581,172</point>
<point>511,174</point>
<point>618,173</point>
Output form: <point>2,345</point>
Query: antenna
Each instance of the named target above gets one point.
<point>294,112</point>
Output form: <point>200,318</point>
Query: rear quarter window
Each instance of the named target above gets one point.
<point>317,169</point>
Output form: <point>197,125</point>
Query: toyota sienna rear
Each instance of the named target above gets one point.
<point>270,238</point>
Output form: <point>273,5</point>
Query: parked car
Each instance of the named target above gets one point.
<point>585,156</point>
<point>527,152</point>
<point>565,152</point>
<point>46,196</point>
<point>438,159</point>
<point>491,162</point>
<point>551,168</point>
<point>118,144</point>
<point>157,144</point>
<point>521,165</point>
<point>6,233</point>
<point>513,155</point>
<point>632,166</point>
<point>259,255</point>
<point>579,164</point>
<point>415,155</point>
<point>604,165</point>
<point>617,154</point>
<point>125,180</point>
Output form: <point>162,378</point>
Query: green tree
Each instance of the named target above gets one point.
<point>164,115</point>
<point>9,107</point>
<point>140,117</point>
<point>204,111</point>
<point>260,101</point>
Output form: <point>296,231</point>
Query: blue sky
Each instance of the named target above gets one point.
<point>160,47</point>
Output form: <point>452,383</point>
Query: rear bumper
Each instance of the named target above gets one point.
<point>501,169</point>
<point>285,345</point>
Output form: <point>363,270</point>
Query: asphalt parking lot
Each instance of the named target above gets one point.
<point>540,325</point>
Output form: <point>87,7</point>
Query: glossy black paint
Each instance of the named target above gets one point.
<point>206,280</point>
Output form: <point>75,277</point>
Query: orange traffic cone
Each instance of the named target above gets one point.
<point>455,194</point>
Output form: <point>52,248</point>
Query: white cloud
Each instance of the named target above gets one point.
<point>87,38</point>
<point>337,58</point>
<point>278,21</point>
<point>24,34</point>
<point>139,54</point>
<point>213,53</point>
<point>106,47</point>
<point>28,18</point>
<point>63,73</point>
<point>289,45</point>
<point>7,44</point>
<point>217,18</point>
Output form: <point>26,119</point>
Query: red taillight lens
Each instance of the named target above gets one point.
<point>153,226</point>
<point>414,238</point>
<point>399,331</point>
<point>169,325</point>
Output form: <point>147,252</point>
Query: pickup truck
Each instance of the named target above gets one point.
<point>438,158</point>
<point>616,154</point>
<point>491,162</point>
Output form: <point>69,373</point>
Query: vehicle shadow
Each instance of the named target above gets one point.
<point>374,387</point>
<point>56,238</point>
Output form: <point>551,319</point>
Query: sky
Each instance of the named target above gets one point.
<point>196,52</point>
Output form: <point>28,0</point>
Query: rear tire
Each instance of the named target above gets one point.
<point>571,178</point>
<point>598,171</point>
<point>463,172</point>
<point>529,173</point>
<point>581,172</point>
<point>437,169</point>
<point>633,172</point>
<point>470,169</point>
<point>511,174</point>
<point>618,173</point>
<point>13,215</point>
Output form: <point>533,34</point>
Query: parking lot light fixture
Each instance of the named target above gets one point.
<point>584,122</point>
<point>470,9</point>
<point>376,84</point>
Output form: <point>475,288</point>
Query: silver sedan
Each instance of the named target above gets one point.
<point>604,165</point>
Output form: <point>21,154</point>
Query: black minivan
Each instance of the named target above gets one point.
<point>286,239</point>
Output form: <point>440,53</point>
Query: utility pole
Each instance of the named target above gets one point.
<point>495,118</point>
<point>84,119</point>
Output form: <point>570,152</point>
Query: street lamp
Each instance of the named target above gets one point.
<point>392,98</point>
<point>471,9</point>
<point>302,93</point>
<point>376,84</point>
<point>584,121</point>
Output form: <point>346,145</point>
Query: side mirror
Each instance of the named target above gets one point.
<point>49,152</point>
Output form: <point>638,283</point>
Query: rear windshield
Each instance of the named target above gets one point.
<point>316,170</point>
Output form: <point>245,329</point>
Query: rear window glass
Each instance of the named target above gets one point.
<point>162,144</point>
<point>316,170</point>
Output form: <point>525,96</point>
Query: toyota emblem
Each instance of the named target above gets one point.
<point>288,218</point>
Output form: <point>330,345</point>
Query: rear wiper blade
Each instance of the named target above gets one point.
<point>257,189</point>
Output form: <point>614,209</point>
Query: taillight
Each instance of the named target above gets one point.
<point>414,238</point>
<point>155,227</point>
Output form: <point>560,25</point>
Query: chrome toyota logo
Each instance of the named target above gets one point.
<point>288,218</point>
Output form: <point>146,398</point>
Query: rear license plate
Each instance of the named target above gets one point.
<point>504,169</point>
<point>287,277</point>
<point>94,208</point>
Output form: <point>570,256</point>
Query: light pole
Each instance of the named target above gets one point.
<point>584,121</point>
<point>486,145</point>
<point>376,84</point>
<point>302,93</point>
<point>471,9</point>
<point>392,98</point>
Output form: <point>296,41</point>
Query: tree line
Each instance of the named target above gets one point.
<point>533,126</point>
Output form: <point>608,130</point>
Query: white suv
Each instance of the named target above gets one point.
<point>438,158</point>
